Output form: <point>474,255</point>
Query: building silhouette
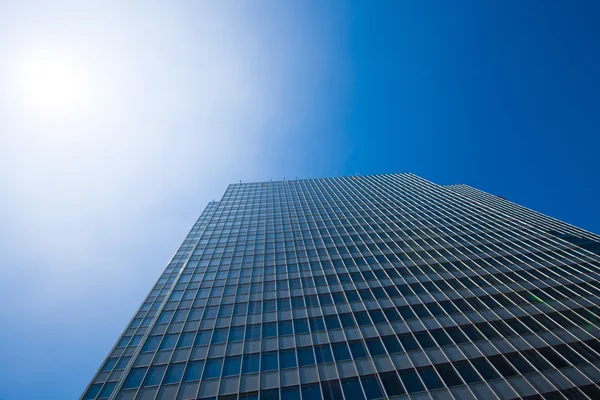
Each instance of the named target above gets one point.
<point>366,287</point>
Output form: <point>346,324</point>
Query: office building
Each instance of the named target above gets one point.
<point>366,287</point>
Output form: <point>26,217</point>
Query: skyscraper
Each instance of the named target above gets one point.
<point>366,287</point>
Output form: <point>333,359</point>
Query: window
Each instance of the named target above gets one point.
<point>134,379</point>
<point>286,328</point>
<point>448,374</point>
<point>340,351</point>
<point>357,349</point>
<point>311,391</point>
<point>392,384</point>
<point>430,378</point>
<point>323,354</point>
<point>352,389</point>
<point>232,365</point>
<point>236,334</point>
<point>331,390</point>
<point>213,368</point>
<point>408,342</point>
<point>411,380</point>
<point>375,347</point>
<point>220,335</point>
<point>250,363</point>
<point>505,369</point>
<point>467,372</point>
<point>485,369</point>
<point>154,376</point>
<point>193,372</point>
<point>371,387</point>
<point>270,330</point>
<point>290,393</point>
<point>174,373</point>
<point>203,338</point>
<point>287,358</point>
<point>269,361</point>
<point>305,356</point>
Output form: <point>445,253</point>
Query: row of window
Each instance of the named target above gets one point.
<point>414,380</point>
<point>439,337</point>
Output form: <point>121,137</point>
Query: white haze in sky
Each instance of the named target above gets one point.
<point>118,123</point>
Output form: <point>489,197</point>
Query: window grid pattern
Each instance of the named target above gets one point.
<point>383,286</point>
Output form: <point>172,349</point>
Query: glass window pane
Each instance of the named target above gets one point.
<point>174,373</point>
<point>352,389</point>
<point>411,380</point>
<point>287,359</point>
<point>212,368</point>
<point>193,371</point>
<point>155,375</point>
<point>371,387</point>
<point>269,361</point>
<point>250,363</point>
<point>305,356</point>
<point>392,384</point>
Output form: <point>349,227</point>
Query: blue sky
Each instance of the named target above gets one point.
<point>105,167</point>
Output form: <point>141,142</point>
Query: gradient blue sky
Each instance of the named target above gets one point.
<point>181,98</point>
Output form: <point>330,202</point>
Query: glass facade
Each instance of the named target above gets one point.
<point>366,287</point>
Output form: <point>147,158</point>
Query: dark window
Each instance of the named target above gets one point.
<point>301,326</point>
<point>269,361</point>
<point>290,393</point>
<point>550,355</point>
<point>467,372</point>
<point>392,344</point>
<point>232,365</point>
<point>340,351</point>
<point>253,332</point>
<point>441,337</point>
<point>236,334</point>
<point>375,347</point>
<point>169,342</point>
<point>305,356</point>
<point>357,349</point>
<point>371,387</point>
<point>411,380</point>
<point>425,340</point>
<point>154,375</point>
<point>175,372</point>
<point>323,354</point>
<point>311,391</point>
<point>519,363</point>
<point>287,358</point>
<point>408,342</point>
<point>134,379</point>
<point>352,389</point>
<point>203,338</point>
<point>107,390</point>
<point>213,368</point>
<point>392,384</point>
<point>331,390</point>
<point>485,369</point>
<point>317,324</point>
<point>250,363</point>
<point>430,378</point>
<point>270,394</point>
<point>505,369</point>
<point>269,330</point>
<point>285,328</point>
<point>220,335</point>
<point>449,376</point>
<point>193,371</point>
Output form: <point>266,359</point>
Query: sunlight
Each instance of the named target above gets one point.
<point>50,83</point>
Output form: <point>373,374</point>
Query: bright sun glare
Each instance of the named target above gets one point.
<point>50,83</point>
